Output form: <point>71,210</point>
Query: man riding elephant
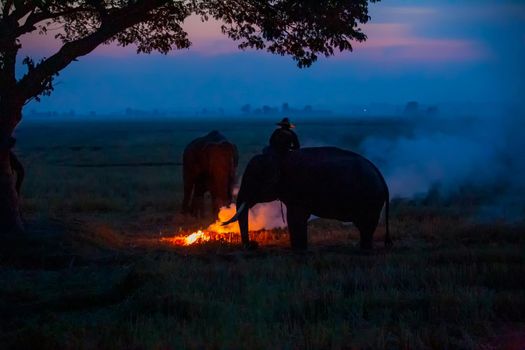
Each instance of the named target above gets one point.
<point>284,139</point>
<point>327,182</point>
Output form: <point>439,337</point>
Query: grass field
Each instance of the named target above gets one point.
<point>92,273</point>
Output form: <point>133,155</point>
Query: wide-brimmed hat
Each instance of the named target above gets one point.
<point>285,122</point>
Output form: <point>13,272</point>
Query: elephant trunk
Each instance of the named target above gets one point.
<point>243,226</point>
<point>242,217</point>
<point>238,212</point>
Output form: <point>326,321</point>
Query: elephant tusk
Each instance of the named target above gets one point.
<point>236,216</point>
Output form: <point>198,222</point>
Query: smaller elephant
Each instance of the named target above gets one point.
<point>327,182</point>
<point>209,165</point>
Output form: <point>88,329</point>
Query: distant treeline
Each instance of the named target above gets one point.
<point>411,109</point>
<point>285,109</point>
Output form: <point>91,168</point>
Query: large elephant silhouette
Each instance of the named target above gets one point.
<point>209,165</point>
<point>327,182</point>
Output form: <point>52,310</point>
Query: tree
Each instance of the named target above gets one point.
<point>412,108</point>
<point>246,109</point>
<point>301,29</point>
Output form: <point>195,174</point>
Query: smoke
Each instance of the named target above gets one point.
<point>485,155</point>
<point>480,158</point>
<point>414,165</point>
<point>262,216</point>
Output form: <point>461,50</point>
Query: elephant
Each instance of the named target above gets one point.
<point>209,165</point>
<point>327,182</point>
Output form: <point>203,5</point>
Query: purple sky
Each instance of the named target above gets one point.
<point>431,51</point>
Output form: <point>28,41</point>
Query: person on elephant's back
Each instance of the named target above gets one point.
<point>284,139</point>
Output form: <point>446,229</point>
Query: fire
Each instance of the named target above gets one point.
<point>264,217</point>
<point>224,215</point>
<point>196,236</point>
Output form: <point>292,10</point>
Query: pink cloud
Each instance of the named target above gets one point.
<point>393,42</point>
<point>388,42</point>
<point>406,10</point>
<point>39,45</point>
<point>206,37</point>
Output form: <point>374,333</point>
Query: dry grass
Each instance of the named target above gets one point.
<point>106,282</point>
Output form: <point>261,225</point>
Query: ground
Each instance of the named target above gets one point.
<point>91,272</point>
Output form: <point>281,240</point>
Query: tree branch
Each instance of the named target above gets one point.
<point>21,10</point>
<point>9,24</point>
<point>36,80</point>
<point>6,8</point>
<point>37,17</point>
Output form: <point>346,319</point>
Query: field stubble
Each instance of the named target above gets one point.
<point>99,278</point>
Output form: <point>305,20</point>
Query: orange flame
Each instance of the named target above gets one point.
<point>264,217</point>
<point>196,236</point>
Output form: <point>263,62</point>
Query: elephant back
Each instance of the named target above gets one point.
<point>213,137</point>
<point>334,168</point>
<point>196,150</point>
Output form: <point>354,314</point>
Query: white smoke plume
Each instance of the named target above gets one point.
<point>262,216</point>
<point>487,154</point>
<point>414,165</point>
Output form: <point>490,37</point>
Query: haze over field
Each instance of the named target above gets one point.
<point>444,159</point>
<point>465,60</point>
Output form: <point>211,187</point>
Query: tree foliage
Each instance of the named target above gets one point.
<point>302,29</point>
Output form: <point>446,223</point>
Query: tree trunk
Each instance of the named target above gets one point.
<point>10,115</point>
<point>10,220</point>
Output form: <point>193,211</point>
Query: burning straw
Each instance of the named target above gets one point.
<point>265,223</point>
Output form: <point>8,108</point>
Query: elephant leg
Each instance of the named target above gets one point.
<point>198,200</point>
<point>188,179</point>
<point>215,205</point>
<point>216,201</point>
<point>297,227</point>
<point>367,226</point>
<point>188,189</point>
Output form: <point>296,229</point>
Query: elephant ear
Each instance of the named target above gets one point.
<point>275,168</point>
<point>232,149</point>
<point>209,145</point>
<point>225,147</point>
<point>268,167</point>
<point>220,145</point>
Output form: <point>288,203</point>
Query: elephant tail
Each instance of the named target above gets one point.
<point>388,239</point>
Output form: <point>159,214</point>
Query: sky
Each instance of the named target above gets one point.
<point>435,52</point>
